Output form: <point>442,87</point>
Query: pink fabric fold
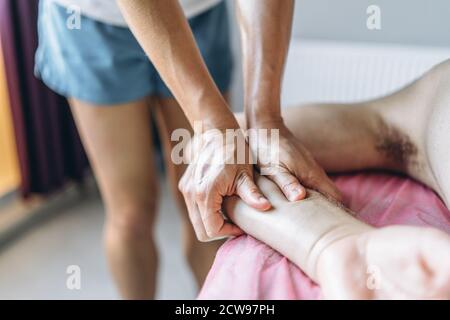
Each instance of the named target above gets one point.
<point>246,268</point>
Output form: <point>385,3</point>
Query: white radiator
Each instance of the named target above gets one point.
<point>318,71</point>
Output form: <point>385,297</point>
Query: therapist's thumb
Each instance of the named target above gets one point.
<point>249,192</point>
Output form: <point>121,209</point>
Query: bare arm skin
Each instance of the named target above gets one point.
<point>265,33</point>
<point>164,33</point>
<point>323,238</point>
<point>299,230</point>
<point>337,251</point>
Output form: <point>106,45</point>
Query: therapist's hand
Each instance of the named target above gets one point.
<point>214,172</point>
<point>289,164</point>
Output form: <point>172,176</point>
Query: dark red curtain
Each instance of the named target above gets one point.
<point>50,152</point>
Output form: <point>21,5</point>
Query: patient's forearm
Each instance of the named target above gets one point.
<point>299,230</point>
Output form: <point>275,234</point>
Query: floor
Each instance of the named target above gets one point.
<point>35,266</point>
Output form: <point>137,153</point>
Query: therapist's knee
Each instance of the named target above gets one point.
<point>133,220</point>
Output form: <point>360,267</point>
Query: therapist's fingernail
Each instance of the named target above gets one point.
<point>295,194</point>
<point>263,201</point>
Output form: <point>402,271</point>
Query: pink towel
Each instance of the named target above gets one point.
<point>245,268</point>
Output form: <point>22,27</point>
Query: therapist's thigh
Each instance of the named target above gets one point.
<point>169,117</point>
<point>119,145</point>
<point>200,255</point>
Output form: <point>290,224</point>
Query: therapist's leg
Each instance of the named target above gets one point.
<point>119,145</point>
<point>200,255</point>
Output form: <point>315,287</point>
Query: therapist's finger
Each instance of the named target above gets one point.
<point>249,192</point>
<point>215,224</point>
<point>289,185</point>
<point>318,180</point>
<point>196,219</point>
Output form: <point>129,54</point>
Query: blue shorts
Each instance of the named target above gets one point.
<point>104,64</point>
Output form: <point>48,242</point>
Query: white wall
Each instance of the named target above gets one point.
<point>403,22</point>
<point>414,22</point>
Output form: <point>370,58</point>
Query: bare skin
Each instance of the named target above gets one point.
<point>200,255</point>
<point>122,158</point>
<point>265,35</point>
<point>406,132</point>
<point>123,163</point>
<point>163,32</point>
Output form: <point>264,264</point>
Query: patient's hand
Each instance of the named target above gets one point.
<point>397,262</point>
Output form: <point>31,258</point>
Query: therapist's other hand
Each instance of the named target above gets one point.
<point>213,173</point>
<point>291,166</point>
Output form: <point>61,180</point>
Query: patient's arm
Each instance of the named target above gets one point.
<point>346,257</point>
<point>407,132</point>
<point>299,230</point>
